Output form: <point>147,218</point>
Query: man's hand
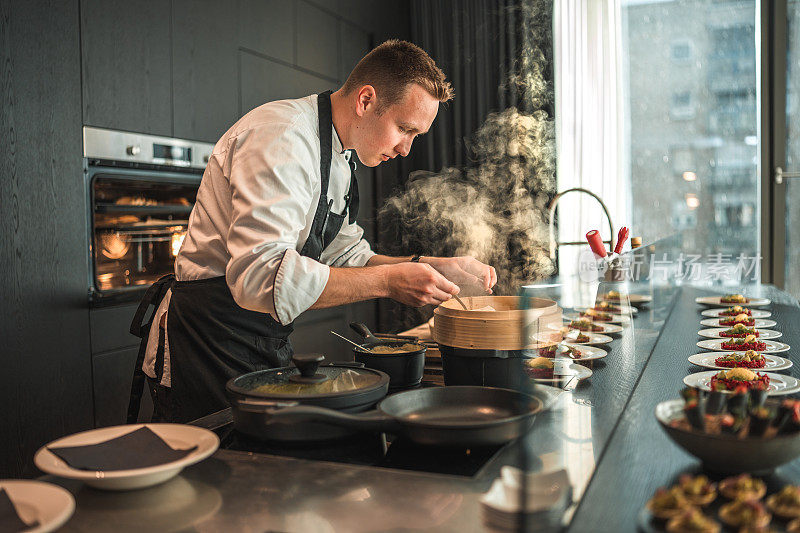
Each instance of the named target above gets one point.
<point>466,272</point>
<point>418,284</point>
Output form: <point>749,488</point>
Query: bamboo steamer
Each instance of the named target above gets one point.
<point>502,329</point>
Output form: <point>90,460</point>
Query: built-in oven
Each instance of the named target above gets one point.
<point>141,190</point>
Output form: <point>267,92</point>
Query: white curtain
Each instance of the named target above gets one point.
<point>589,120</point>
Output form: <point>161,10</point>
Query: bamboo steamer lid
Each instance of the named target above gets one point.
<point>502,329</point>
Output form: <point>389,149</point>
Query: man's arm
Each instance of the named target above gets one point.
<point>414,284</point>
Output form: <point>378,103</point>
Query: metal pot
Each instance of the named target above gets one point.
<point>404,369</point>
<point>348,388</point>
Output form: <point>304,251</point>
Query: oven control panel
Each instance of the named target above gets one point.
<point>128,147</point>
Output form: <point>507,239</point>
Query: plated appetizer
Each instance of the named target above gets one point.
<point>692,520</point>
<point>586,325</point>
<point>739,331</point>
<point>540,367</point>
<point>597,316</point>
<point>742,487</point>
<point>557,350</point>
<point>786,503</point>
<point>744,319</point>
<point>736,310</point>
<point>745,514</point>
<point>739,377</point>
<point>607,307</point>
<point>667,503</point>
<point>613,296</point>
<point>734,299</point>
<point>749,342</point>
<point>574,335</point>
<point>748,359</point>
<point>697,489</point>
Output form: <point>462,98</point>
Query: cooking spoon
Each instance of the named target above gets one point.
<point>461,302</point>
<point>353,343</point>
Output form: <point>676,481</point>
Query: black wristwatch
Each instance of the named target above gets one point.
<point>416,259</point>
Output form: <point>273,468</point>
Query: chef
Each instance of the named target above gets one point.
<point>273,233</point>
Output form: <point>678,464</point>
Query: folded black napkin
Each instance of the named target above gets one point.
<point>138,449</point>
<point>9,519</point>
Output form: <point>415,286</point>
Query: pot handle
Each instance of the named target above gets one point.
<point>262,406</point>
<point>368,421</point>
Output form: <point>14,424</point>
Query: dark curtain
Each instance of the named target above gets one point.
<point>484,48</point>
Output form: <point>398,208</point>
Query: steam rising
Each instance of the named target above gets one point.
<point>496,209</point>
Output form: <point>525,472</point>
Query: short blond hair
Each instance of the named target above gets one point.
<point>391,67</point>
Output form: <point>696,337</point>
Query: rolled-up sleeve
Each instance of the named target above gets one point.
<point>272,189</point>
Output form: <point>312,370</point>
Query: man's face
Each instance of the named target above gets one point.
<point>385,136</point>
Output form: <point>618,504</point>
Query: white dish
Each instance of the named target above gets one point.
<point>564,369</point>
<point>624,309</point>
<point>634,299</point>
<point>618,319</point>
<point>36,501</point>
<point>608,329</point>
<point>760,323</point>
<point>717,300</point>
<point>588,353</point>
<point>715,313</point>
<point>716,344</point>
<point>706,359</point>
<point>179,436</point>
<point>714,333</point>
<point>594,338</point>
<point>778,383</point>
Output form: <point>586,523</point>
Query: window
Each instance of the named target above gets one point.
<point>691,121</point>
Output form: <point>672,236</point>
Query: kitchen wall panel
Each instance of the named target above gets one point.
<point>268,27</point>
<point>45,384</point>
<point>317,40</point>
<point>264,80</point>
<point>204,68</point>
<point>127,77</point>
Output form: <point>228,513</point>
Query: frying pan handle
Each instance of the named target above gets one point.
<point>368,421</point>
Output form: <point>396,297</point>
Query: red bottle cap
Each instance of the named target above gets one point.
<point>596,243</point>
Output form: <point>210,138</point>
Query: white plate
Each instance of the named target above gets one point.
<point>634,299</point>
<point>588,353</point>
<point>594,338</point>
<point>618,319</point>
<point>564,368</point>
<point>778,383</point>
<point>608,329</point>
<point>706,359</point>
<point>760,323</point>
<point>717,300</point>
<point>714,333</point>
<point>624,309</point>
<point>716,344</point>
<point>49,505</point>
<point>179,436</point>
<point>755,313</point>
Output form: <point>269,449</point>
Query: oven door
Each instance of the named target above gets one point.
<point>137,219</point>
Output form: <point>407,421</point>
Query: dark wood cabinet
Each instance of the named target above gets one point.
<point>127,77</point>
<point>204,68</point>
<point>45,385</point>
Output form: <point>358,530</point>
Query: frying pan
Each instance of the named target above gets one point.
<point>439,416</point>
<point>405,369</point>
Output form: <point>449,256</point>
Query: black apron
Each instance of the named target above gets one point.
<point>212,339</point>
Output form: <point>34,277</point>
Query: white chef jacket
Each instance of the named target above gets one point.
<point>253,214</point>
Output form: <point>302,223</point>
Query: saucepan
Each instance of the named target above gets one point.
<point>404,366</point>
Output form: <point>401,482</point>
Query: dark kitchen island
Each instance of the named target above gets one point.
<point>603,432</point>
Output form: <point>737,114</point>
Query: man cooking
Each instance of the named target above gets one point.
<point>273,233</point>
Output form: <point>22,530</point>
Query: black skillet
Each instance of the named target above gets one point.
<point>440,416</point>
<point>404,369</point>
